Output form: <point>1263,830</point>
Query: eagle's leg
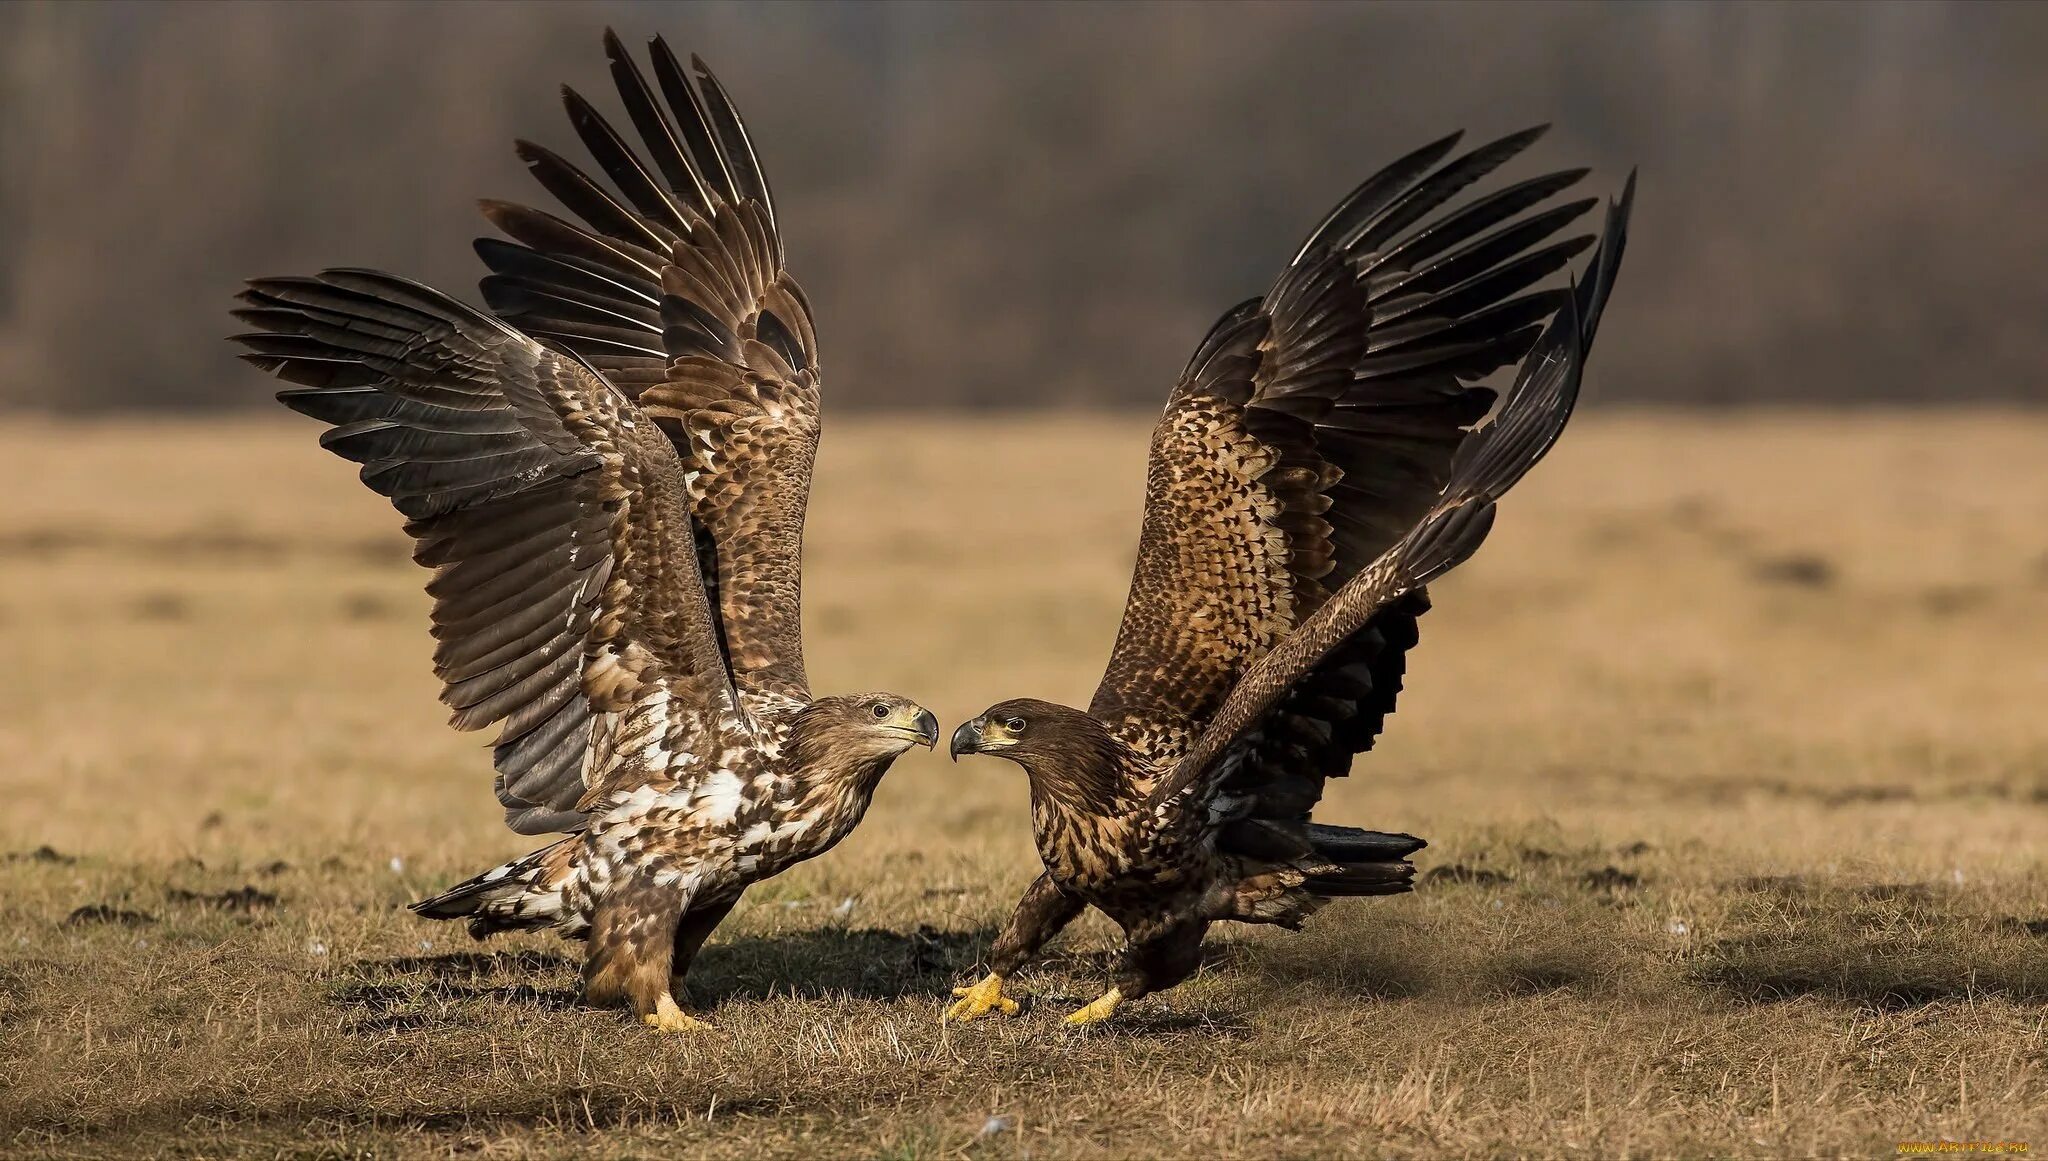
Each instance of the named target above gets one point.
<point>668,1016</point>
<point>1157,959</point>
<point>1044,910</point>
<point>1097,1010</point>
<point>632,943</point>
<point>979,1000</point>
<point>695,928</point>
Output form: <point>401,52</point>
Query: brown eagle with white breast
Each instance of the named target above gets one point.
<point>1321,460</point>
<point>609,481</point>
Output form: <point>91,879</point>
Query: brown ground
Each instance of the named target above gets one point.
<point>1729,745</point>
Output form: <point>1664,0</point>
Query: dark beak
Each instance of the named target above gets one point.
<point>928,729</point>
<point>967,739</point>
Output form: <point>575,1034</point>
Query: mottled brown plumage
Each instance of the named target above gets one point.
<point>609,480</point>
<point>1321,460</point>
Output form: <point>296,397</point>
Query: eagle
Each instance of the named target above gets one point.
<point>608,476</point>
<point>1328,451</point>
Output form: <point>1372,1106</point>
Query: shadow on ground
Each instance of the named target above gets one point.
<point>869,963</point>
<point>1878,973</point>
<point>1364,971</point>
<point>1882,946</point>
<point>414,992</point>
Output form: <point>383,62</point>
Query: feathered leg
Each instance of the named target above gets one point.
<point>695,928</point>
<point>632,944</point>
<point>1041,914</point>
<point>1154,961</point>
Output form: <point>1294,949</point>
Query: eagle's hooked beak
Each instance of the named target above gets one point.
<point>967,739</point>
<point>921,728</point>
<point>927,729</point>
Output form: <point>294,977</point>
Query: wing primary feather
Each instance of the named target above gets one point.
<point>738,149</point>
<point>619,163</point>
<point>1376,191</point>
<point>566,241</point>
<point>1592,294</point>
<point>588,200</point>
<point>657,131</point>
<point>1409,207</point>
<point>693,121</point>
<point>1492,286</point>
<point>543,300</point>
<point>1481,214</point>
<point>1482,254</point>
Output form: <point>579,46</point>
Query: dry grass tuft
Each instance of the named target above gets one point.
<point>1732,853</point>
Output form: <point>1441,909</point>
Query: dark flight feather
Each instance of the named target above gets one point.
<point>657,130</point>
<point>476,433</point>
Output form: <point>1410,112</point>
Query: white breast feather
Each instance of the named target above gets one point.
<point>718,797</point>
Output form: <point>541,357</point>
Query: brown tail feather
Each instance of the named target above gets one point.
<point>1373,878</point>
<point>522,894</point>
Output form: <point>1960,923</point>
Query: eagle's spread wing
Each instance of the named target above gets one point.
<point>566,582</point>
<point>674,289</point>
<point>1244,747</point>
<point>1311,429</point>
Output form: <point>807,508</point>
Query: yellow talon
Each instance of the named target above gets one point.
<point>668,1017</point>
<point>980,1000</point>
<point>1098,1011</point>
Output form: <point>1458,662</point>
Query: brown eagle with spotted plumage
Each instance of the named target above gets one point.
<point>1321,460</point>
<point>608,479</point>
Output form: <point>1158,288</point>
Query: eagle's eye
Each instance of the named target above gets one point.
<point>1014,725</point>
<point>879,709</point>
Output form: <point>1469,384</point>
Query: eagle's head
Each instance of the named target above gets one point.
<point>865,727</point>
<point>1067,754</point>
<point>850,741</point>
<point>841,747</point>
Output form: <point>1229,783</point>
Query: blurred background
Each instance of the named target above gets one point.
<point>996,205</point>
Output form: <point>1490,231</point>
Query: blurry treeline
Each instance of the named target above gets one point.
<point>1048,205</point>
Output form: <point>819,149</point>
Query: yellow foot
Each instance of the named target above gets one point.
<point>1098,1011</point>
<point>980,1000</point>
<point>668,1017</point>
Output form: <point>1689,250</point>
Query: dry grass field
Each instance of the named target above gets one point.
<point>1730,747</point>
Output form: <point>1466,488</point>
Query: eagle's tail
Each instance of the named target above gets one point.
<point>1363,862</point>
<point>522,894</point>
<point>1311,865</point>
